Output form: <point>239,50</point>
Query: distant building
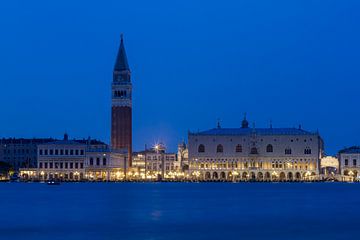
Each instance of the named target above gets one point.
<point>349,159</point>
<point>271,154</point>
<point>76,160</point>
<point>21,152</point>
<point>155,163</point>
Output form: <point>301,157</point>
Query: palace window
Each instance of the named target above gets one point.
<point>40,152</point>
<point>104,161</point>
<point>253,150</point>
<point>238,148</point>
<point>40,165</point>
<point>269,148</point>
<point>288,151</point>
<point>201,148</point>
<point>97,161</point>
<point>91,161</point>
<point>354,162</point>
<point>346,162</point>
<point>219,148</point>
<point>307,151</point>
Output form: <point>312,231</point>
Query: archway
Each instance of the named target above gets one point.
<point>290,176</point>
<point>260,176</point>
<point>215,175</point>
<point>222,176</point>
<point>252,176</point>
<point>282,176</point>
<point>245,175</point>
<point>207,176</point>
<point>297,176</point>
<point>267,176</point>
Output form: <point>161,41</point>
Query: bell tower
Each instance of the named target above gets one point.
<point>121,106</point>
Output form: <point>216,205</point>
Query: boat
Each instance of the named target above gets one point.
<point>52,182</point>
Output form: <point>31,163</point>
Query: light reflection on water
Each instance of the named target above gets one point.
<point>179,211</point>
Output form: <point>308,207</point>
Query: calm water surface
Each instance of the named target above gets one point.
<point>179,211</point>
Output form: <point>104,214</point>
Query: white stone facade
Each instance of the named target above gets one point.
<point>261,154</point>
<point>349,159</point>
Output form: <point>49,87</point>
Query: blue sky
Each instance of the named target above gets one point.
<point>193,62</point>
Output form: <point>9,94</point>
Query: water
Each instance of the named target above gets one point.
<point>179,211</point>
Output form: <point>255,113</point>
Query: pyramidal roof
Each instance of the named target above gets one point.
<point>121,63</point>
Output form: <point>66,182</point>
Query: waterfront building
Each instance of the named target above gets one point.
<point>77,160</point>
<point>183,156</point>
<point>329,166</point>
<point>21,152</point>
<point>155,163</point>
<point>349,159</point>
<point>263,154</point>
<point>121,108</point>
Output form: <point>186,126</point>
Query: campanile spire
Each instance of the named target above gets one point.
<point>121,106</point>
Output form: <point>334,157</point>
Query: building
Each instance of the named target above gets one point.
<point>76,160</point>
<point>121,110</point>
<point>263,154</point>
<point>349,159</point>
<point>156,164</point>
<point>21,152</point>
<point>183,156</point>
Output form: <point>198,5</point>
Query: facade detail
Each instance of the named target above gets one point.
<point>260,154</point>
<point>349,159</point>
<point>155,163</point>
<point>76,160</point>
<point>121,109</point>
<point>21,152</point>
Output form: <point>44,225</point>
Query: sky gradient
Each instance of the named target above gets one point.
<point>292,62</point>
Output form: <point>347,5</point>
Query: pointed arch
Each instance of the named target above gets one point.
<point>219,148</point>
<point>201,148</point>
<point>269,148</point>
<point>238,148</point>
